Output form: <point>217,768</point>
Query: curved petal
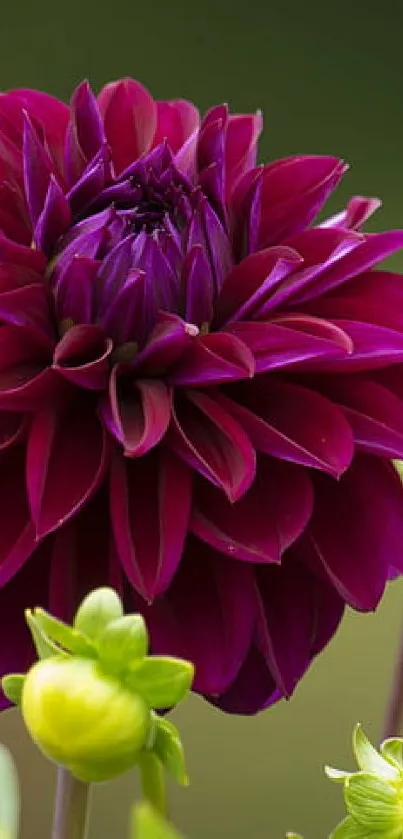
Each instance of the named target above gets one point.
<point>252,281</point>
<point>28,306</point>
<point>286,620</point>
<point>241,139</point>
<point>300,342</point>
<point>85,133</point>
<point>150,508</point>
<point>213,359</point>
<point>138,413</point>
<point>212,594</point>
<point>130,120</point>
<point>253,689</point>
<point>176,122</point>
<point>212,443</point>
<point>82,357</point>
<point>62,438</point>
<point>356,531</point>
<point>374,249</point>
<point>373,346</point>
<point>259,527</point>
<point>358,210</point>
<point>293,192</point>
<point>278,418</point>
<point>49,113</point>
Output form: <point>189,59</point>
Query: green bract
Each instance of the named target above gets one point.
<point>374,794</point>
<point>89,702</point>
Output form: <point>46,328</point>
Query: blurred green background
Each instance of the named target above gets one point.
<point>329,80</point>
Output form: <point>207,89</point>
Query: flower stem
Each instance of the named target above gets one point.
<point>393,726</point>
<point>71,807</point>
<point>153,782</point>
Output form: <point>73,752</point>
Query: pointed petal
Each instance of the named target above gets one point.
<point>294,191</point>
<point>292,341</point>
<point>38,169</point>
<point>198,286</point>
<point>358,210</point>
<point>149,520</point>
<point>68,435</point>
<point>252,281</point>
<point>374,249</point>
<point>130,119</point>
<point>54,219</point>
<point>213,443</point>
<point>277,416</point>
<point>74,290</point>
<point>242,135</point>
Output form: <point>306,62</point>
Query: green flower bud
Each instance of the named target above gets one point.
<point>83,718</point>
<point>373,795</point>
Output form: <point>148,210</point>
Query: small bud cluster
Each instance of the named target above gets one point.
<point>90,701</point>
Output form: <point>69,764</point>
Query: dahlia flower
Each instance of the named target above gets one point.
<point>200,386</point>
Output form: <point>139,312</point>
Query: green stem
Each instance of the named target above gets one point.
<point>71,807</point>
<point>153,782</point>
<point>393,726</point>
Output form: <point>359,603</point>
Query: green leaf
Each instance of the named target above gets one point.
<point>337,775</point>
<point>168,747</point>
<point>9,796</point>
<point>373,802</point>
<point>368,759</point>
<point>123,642</point>
<point>99,608</point>
<point>43,645</point>
<point>392,750</point>
<point>162,681</point>
<point>148,824</point>
<point>69,639</point>
<point>12,686</point>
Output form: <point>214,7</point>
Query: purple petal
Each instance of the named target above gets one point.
<point>59,438</point>
<point>82,357</point>
<point>130,119</point>
<point>139,412</point>
<point>213,359</point>
<point>212,443</point>
<point>149,520</point>
<point>356,530</point>
<point>277,416</point>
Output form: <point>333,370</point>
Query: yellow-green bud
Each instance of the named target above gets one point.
<point>374,794</point>
<point>83,718</point>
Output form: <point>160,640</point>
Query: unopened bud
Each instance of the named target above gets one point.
<point>83,718</point>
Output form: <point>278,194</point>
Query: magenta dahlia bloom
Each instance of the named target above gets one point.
<point>201,389</point>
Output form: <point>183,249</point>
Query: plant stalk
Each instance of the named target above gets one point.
<point>70,819</point>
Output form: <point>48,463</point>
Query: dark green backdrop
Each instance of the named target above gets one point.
<point>329,80</point>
